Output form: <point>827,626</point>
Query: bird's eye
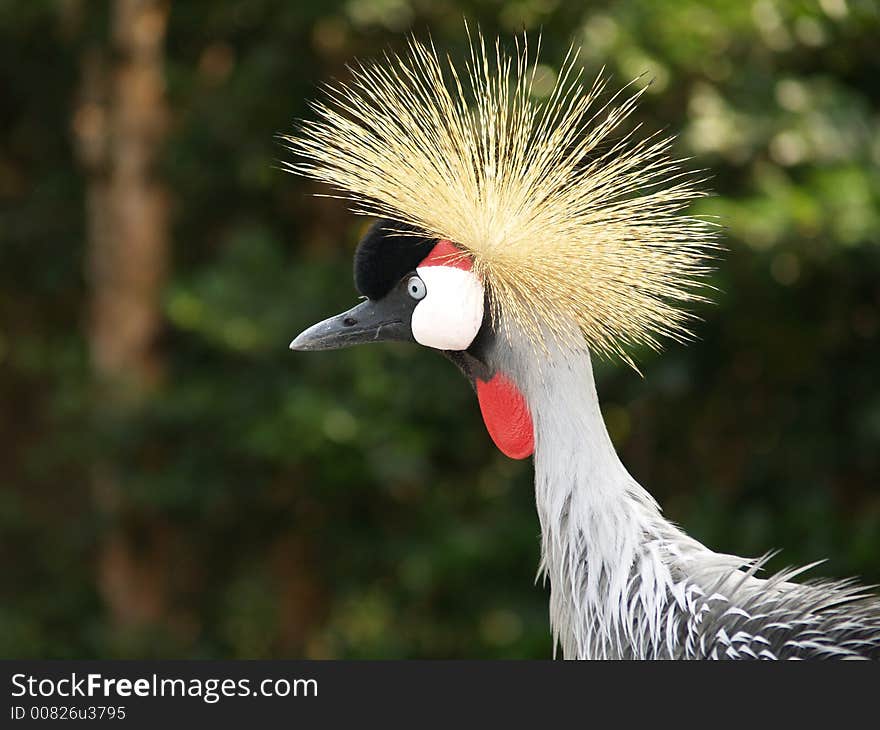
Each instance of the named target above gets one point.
<point>416,287</point>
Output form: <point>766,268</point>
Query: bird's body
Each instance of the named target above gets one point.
<point>626,583</point>
<point>516,239</point>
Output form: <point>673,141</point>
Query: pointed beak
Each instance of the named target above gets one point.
<point>369,321</point>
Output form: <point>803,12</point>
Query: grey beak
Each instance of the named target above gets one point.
<point>369,321</point>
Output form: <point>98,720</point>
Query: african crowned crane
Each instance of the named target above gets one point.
<point>516,238</point>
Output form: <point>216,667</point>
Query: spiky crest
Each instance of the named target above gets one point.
<point>564,223</point>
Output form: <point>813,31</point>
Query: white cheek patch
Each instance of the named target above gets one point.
<point>450,315</point>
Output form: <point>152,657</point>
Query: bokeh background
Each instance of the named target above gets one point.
<point>175,483</point>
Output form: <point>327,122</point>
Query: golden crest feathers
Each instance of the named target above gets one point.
<point>566,225</point>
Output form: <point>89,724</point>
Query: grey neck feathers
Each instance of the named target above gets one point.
<point>612,560</point>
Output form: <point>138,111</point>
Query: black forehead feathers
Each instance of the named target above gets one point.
<point>386,253</point>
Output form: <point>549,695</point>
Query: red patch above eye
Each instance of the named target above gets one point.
<point>446,253</point>
<point>506,416</point>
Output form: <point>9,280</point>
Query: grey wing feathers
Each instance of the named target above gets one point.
<point>777,619</point>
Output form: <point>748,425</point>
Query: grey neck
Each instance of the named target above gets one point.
<point>610,556</point>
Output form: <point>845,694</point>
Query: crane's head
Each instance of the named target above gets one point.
<point>424,290</point>
<point>507,214</point>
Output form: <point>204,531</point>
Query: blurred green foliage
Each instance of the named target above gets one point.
<point>349,504</point>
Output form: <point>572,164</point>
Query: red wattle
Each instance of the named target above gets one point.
<point>506,416</point>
